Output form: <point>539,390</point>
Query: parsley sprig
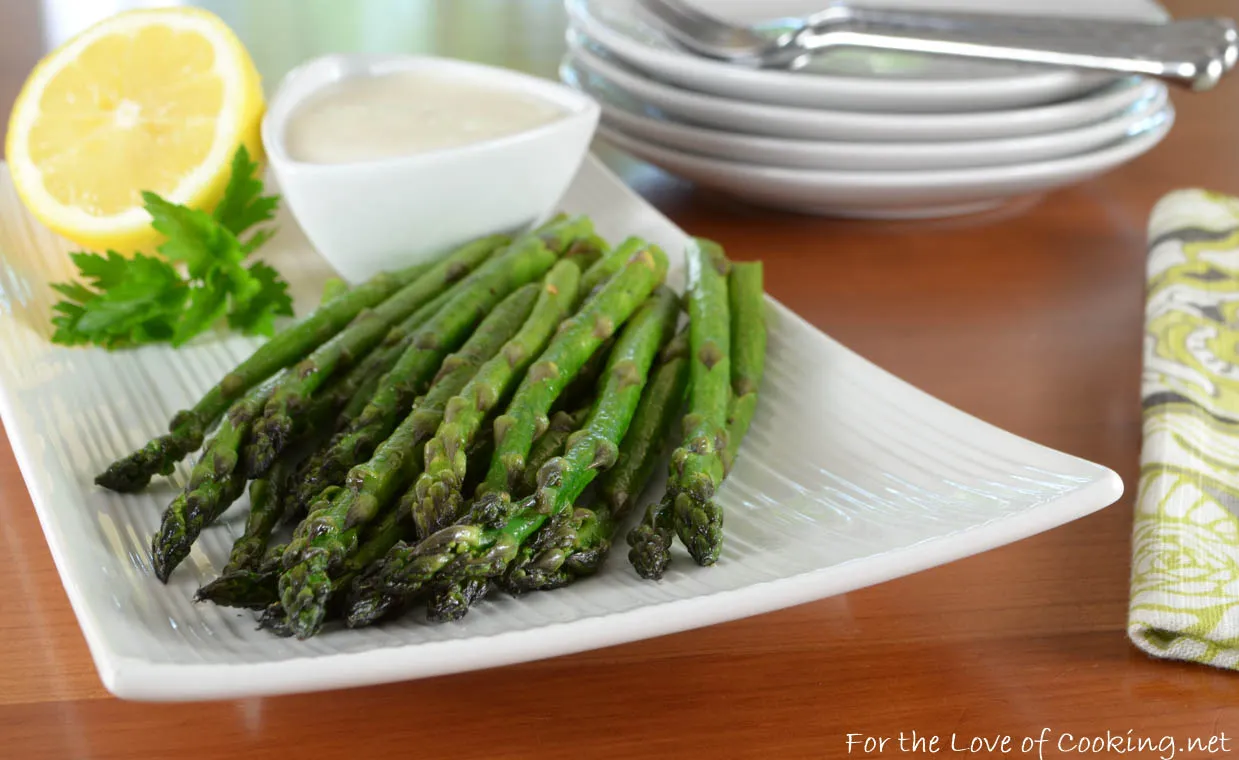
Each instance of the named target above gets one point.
<point>200,277</point>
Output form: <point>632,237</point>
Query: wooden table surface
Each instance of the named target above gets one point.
<point>1030,319</point>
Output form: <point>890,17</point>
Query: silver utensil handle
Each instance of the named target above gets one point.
<point>1193,52</point>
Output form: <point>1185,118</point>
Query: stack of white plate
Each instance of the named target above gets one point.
<point>859,133</point>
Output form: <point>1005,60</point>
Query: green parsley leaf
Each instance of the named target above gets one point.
<point>134,300</point>
<point>243,204</point>
<point>257,316</point>
<point>121,302</point>
<point>207,303</point>
<point>194,237</point>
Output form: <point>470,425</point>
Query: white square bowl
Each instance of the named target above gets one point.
<point>849,477</point>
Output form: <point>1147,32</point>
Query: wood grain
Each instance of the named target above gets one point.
<point>1029,318</point>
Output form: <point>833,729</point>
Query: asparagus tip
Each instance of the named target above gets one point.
<point>451,601</point>
<point>268,440</point>
<point>305,590</point>
<point>699,524</point>
<point>168,547</point>
<point>368,608</point>
<point>650,551</point>
<point>242,588</point>
<point>275,621</point>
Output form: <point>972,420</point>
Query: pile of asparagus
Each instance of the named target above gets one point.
<point>432,433</point>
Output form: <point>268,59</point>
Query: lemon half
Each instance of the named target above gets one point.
<point>153,100</point>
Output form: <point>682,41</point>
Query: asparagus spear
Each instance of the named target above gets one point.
<point>351,395</point>
<point>651,540</point>
<point>259,590</point>
<point>449,602</point>
<point>577,545</point>
<point>331,532</point>
<point>334,287</point>
<point>748,350</point>
<point>465,553</point>
<point>438,490</point>
<point>608,265</point>
<point>524,262</point>
<point>587,251</point>
<point>580,390</point>
<point>561,552</point>
<point>245,588</point>
<point>550,445</point>
<point>691,509</point>
<point>293,395</point>
<point>697,465</point>
<point>250,588</point>
<point>578,338</point>
<point>647,437</point>
<point>266,508</point>
<point>268,502</point>
<point>347,395</point>
<point>214,483</point>
<point>264,594</point>
<point>187,428</point>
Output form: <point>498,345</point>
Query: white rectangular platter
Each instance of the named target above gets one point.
<point>849,477</point>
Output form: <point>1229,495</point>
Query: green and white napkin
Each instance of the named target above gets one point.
<point>1185,544</point>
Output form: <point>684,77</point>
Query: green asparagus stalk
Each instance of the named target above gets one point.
<point>289,400</point>
<point>524,262</point>
<point>189,426</point>
<point>647,437</point>
<point>578,338</point>
<point>266,509</point>
<point>580,390</point>
<point>697,466</point>
<point>550,445</point>
<point>587,251</point>
<point>608,265</point>
<point>448,602</point>
<point>561,552</point>
<point>650,541</point>
<point>748,350</point>
<point>350,395</point>
<point>331,532</point>
<point>334,287</point>
<point>577,545</point>
<point>214,483</point>
<point>380,538</point>
<point>438,490</point>
<point>267,494</point>
<point>253,588</point>
<point>698,522</point>
<point>250,589</point>
<point>478,553</point>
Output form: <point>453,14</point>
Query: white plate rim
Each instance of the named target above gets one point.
<point>857,93</point>
<point>880,156</point>
<point>805,123</point>
<point>1119,152</point>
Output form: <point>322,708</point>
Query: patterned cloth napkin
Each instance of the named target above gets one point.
<point>1185,544</point>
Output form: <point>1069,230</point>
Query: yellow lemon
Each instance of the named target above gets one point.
<point>153,100</point>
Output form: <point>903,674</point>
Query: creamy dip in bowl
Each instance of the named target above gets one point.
<point>387,160</point>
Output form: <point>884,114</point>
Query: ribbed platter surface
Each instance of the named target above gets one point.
<point>849,477</point>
